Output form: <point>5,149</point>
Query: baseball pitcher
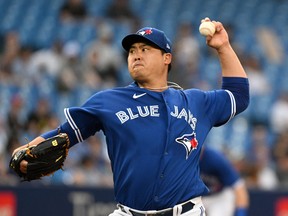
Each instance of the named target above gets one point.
<point>155,130</point>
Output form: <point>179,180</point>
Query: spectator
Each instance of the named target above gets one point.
<point>259,84</point>
<point>73,10</point>
<point>187,56</point>
<point>3,136</point>
<point>120,11</point>
<point>15,119</point>
<point>279,114</point>
<point>271,45</point>
<point>22,67</point>
<point>10,52</point>
<point>280,154</point>
<point>88,165</point>
<point>11,48</point>
<point>72,71</point>
<point>104,58</point>
<point>89,172</point>
<point>260,88</point>
<point>48,60</point>
<point>257,167</point>
<point>39,118</point>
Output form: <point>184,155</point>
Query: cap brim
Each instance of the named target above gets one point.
<point>129,40</point>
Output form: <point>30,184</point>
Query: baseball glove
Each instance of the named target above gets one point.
<point>43,159</point>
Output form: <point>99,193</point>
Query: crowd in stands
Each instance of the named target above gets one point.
<point>36,84</point>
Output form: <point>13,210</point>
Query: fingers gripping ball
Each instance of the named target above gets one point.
<point>207,29</point>
<point>43,159</point>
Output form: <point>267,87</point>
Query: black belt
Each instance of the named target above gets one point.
<point>185,208</point>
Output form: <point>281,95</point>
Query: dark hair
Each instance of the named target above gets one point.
<point>170,65</point>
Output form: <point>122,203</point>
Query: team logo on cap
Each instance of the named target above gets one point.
<point>145,32</point>
<point>189,141</point>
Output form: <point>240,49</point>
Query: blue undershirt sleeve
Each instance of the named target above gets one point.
<point>64,128</point>
<point>239,87</point>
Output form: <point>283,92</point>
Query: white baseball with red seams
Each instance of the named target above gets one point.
<point>207,28</point>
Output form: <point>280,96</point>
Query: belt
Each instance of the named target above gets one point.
<point>185,208</point>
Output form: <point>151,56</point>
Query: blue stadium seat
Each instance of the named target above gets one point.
<point>38,25</point>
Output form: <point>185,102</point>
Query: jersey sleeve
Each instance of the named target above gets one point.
<point>86,119</point>
<point>222,105</point>
<point>219,106</point>
<point>239,87</point>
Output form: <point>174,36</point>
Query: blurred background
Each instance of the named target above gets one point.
<point>56,53</point>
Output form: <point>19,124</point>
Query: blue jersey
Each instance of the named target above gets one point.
<point>154,139</point>
<point>217,171</point>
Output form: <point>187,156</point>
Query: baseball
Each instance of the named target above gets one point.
<point>207,28</point>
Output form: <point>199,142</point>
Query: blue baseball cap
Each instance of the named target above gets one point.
<point>151,35</point>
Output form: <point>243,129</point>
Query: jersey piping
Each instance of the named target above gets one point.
<point>73,125</point>
<point>233,105</point>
